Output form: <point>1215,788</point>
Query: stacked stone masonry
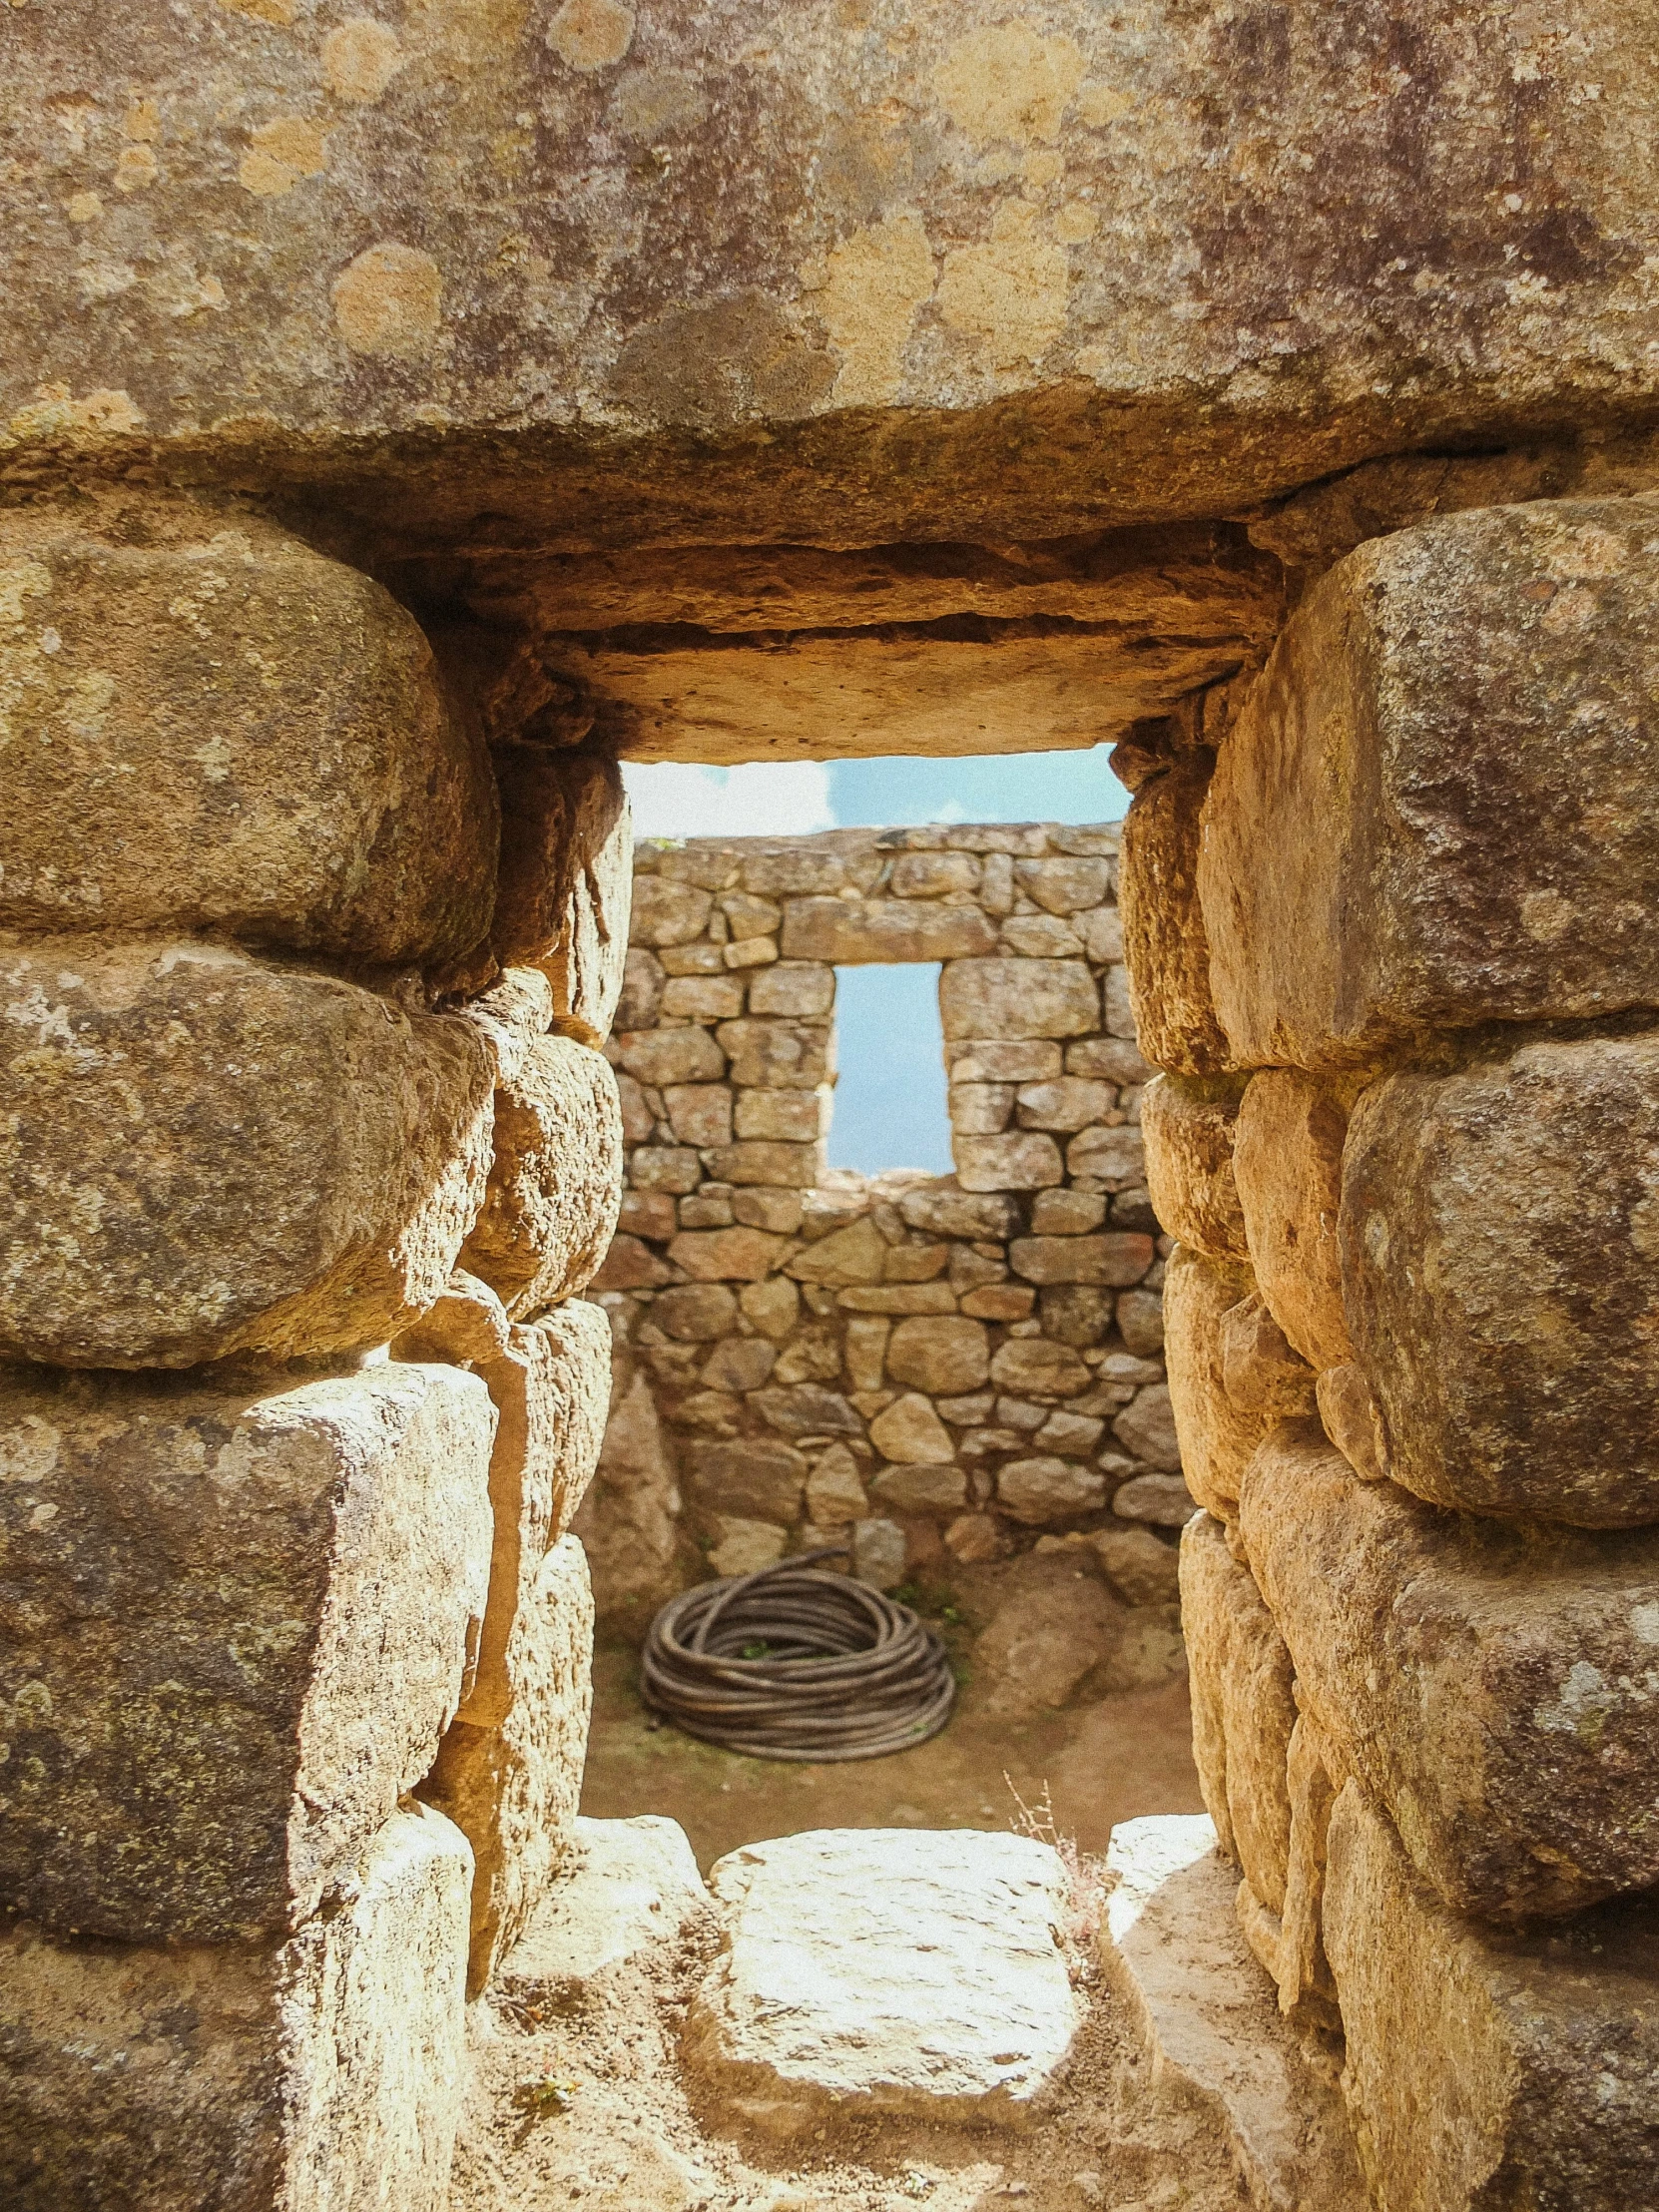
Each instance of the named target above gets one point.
<point>299,1400</point>
<point>1407,1141</point>
<point>929,1371</point>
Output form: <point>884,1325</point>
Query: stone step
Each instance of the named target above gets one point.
<point>1206,2022</point>
<point>888,1971</point>
<point>631,1885</point>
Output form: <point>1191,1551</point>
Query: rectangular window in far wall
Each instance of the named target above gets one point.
<point>889,1109</point>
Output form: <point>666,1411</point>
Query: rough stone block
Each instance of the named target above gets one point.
<point>1349,1415</point>
<point>1069,1103</point>
<point>1034,1367</point>
<point>1188,1131</point>
<point>1043,1489</point>
<point>841,932</point>
<point>511,1785</point>
<point>666,912</point>
<point>551,1389</point>
<point>239,1618</point>
<point>1113,1158</point>
<point>1490,1684</point>
<point>1066,1213</point>
<point>942,1355</point>
<point>800,988</point>
<point>910,1432</point>
<point>555,1182</point>
<point>979,1109</point>
<point>1498,1234</point>
<point>644,986</point>
<point>215,727</point>
<point>1203,2017</point>
<point>855,1253</point>
<point>699,1113</point>
<point>763,1479</point>
<point>1005,1060</point>
<point>790,1117</point>
<point>328,2073</point>
<point>627,1890</point>
<point>629,1520</point>
<point>955,2003</point>
<point>1445,859</point>
<point>1146,1428</point>
<point>1287,1164</point>
<point>207,1155</point>
<point>1114,1259</point>
<point>944,1209</point>
<point>1163,936</point>
<point>779,1055</point>
<point>1020,1161</point>
<point>790,1166</point>
<point>1139,1567</point>
<point>727,1254</point>
<point>1556,2039</point>
<point>1019,1000</point>
<point>922,1488</point>
<point>1243,1708</point>
<point>566,882</point>
<point>1232,1375</point>
<point>663,1056</point>
<point>1162,1500</point>
<point>1064,886</point>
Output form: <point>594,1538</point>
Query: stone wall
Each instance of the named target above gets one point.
<point>1407,1138</point>
<point>297,1401</point>
<point>937,1372</point>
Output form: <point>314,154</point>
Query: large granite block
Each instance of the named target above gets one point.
<point>238,1620</point>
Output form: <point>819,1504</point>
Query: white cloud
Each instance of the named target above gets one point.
<point>779,798</point>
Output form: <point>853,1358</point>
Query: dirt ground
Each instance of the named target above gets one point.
<point>1100,1764</point>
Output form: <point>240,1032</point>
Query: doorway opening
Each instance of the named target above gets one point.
<point>890,1101</point>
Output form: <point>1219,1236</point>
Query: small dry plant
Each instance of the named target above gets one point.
<point>1085,1877</point>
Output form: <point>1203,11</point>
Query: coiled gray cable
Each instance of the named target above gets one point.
<point>834,1670</point>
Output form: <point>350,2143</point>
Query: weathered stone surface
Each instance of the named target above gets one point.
<point>953,2001</point>
<point>1349,1415</point>
<point>1140,1320</point>
<point>240,1617</point>
<point>945,1211</point>
<point>556,1179</point>
<point>1112,1158</point>
<point>644,983</point>
<point>727,1254</point>
<point>745,1546</point>
<point>764,1479</point>
<point>920,1486</point>
<point>807,1409</point>
<point>1114,1260</point>
<point>1163,925</point>
<point>1232,1377</point>
<point>1243,1708</point>
<point>881,1552</point>
<point>551,1392</point>
<point>1018,999</point>
<point>779,1055</point>
<point>1287,1164</point>
<point>1022,1161</point>
<point>791,1117</point>
<point>1066,1213</point>
<point>1050,1642</point>
<point>1069,1103</point>
<point>939,1354</point>
<point>566,880</point>
<point>467,1322</point>
<point>511,1785</point>
<point>666,912</point>
<point>1044,1489</point>
<point>628,1523</point>
<point>839,930</point>
<point>1205,2023</point>
<point>1163,1500</point>
<point>207,1155</point>
<point>663,1056</point>
<point>1450,865</point>
<point>1488,1684</point>
<point>1034,1367</point>
<point>1146,1428</point>
<point>798,987</point>
<point>790,1166</point>
<point>1142,1571</point>
<point>627,1889</point>
<point>910,1432</point>
<point>1188,1130</point>
<point>855,1253</point>
<point>834,1489</point>
<point>306,785</point>
<point>699,1113</point>
<point>1550,2100</point>
<point>328,2073</point>
<point>1497,1240</point>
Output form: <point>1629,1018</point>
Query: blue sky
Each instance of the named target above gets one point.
<point>890,1101</point>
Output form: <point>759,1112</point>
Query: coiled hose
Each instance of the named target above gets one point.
<point>795,1663</point>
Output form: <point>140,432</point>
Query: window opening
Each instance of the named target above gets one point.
<point>889,1107</point>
